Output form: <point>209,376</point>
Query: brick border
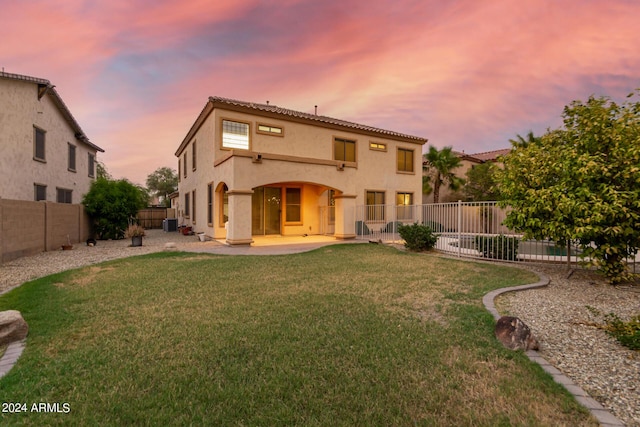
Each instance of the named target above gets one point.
<point>603,415</point>
<point>11,355</point>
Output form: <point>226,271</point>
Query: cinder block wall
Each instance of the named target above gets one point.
<point>23,225</point>
<point>63,225</point>
<point>28,228</point>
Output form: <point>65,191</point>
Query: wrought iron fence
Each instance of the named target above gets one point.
<point>464,229</point>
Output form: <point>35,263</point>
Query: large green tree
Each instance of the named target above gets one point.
<point>481,183</point>
<point>581,183</point>
<point>162,182</point>
<point>439,167</point>
<point>112,204</point>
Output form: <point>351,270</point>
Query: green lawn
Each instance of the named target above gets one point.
<point>344,335</point>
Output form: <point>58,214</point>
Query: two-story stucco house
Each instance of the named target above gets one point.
<point>251,169</point>
<point>44,154</point>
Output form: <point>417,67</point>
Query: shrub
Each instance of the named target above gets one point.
<point>134,230</point>
<point>111,204</point>
<point>417,237</point>
<point>498,247</point>
<point>627,333</point>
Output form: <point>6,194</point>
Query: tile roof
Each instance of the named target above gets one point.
<point>57,100</point>
<point>288,114</point>
<point>313,117</point>
<point>485,156</point>
<point>491,155</point>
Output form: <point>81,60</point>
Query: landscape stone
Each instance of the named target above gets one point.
<point>12,327</point>
<point>513,333</point>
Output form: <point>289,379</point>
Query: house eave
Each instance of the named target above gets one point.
<point>274,112</point>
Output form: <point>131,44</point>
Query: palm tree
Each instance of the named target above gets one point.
<point>521,142</point>
<point>439,166</point>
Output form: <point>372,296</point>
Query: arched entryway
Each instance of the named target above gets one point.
<point>291,208</point>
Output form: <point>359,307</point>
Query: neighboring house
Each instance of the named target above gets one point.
<point>44,154</point>
<point>467,162</point>
<point>251,169</point>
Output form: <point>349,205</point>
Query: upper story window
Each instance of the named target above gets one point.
<point>344,149</point>
<point>405,160</point>
<point>92,165</point>
<point>185,164</point>
<point>71,162</point>
<point>193,157</point>
<point>39,144</point>
<point>270,130</point>
<point>235,135</point>
<point>379,146</point>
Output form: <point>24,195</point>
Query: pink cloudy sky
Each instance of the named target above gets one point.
<point>467,73</point>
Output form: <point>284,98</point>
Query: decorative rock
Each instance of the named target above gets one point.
<point>513,333</point>
<point>12,327</point>
<point>169,245</point>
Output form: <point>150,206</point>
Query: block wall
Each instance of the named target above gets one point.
<point>28,228</point>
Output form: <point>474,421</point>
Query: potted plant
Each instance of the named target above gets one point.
<point>68,246</point>
<point>136,232</point>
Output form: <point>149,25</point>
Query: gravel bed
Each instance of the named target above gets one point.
<point>18,271</point>
<point>567,318</point>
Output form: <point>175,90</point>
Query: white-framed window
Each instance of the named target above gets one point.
<point>235,135</point>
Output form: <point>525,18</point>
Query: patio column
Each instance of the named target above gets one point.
<point>239,231</point>
<point>345,226</point>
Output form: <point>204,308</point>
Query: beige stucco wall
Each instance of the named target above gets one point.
<point>302,157</point>
<point>20,111</point>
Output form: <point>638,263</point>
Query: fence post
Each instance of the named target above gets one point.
<point>459,228</point>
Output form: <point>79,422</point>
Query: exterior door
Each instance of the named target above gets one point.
<point>272,210</point>
<point>266,207</point>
